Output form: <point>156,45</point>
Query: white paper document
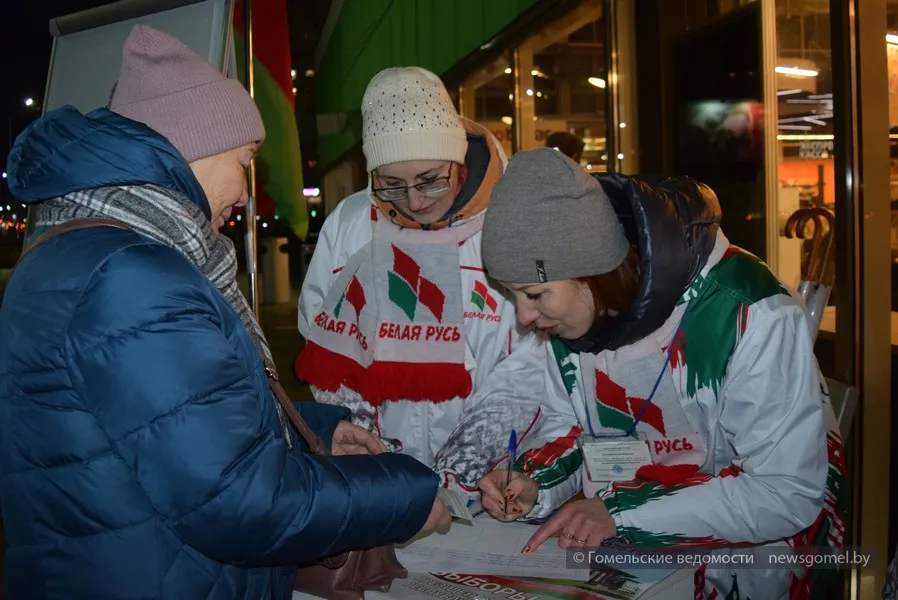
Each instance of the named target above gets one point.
<point>456,504</point>
<point>488,547</point>
<point>449,586</point>
<point>484,560</point>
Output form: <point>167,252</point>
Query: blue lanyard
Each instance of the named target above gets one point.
<point>648,401</point>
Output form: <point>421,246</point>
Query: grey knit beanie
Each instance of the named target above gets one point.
<point>549,220</point>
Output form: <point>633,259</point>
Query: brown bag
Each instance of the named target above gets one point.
<point>348,575</point>
<point>73,225</point>
<point>342,577</point>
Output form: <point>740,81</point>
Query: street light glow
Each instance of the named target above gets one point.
<point>29,101</point>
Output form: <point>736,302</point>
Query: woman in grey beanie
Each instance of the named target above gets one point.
<point>401,324</point>
<point>696,412</point>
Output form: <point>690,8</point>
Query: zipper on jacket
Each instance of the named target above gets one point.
<point>426,431</point>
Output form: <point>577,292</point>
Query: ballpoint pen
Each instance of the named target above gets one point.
<point>512,457</point>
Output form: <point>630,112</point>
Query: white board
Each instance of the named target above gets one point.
<point>87,46</point>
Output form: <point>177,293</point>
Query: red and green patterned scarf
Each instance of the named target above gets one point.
<point>392,325</point>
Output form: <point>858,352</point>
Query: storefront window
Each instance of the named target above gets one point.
<point>805,142</point>
<point>563,84</point>
<point>806,171</point>
<point>699,109</point>
<point>487,97</point>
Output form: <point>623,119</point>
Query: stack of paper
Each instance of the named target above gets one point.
<point>484,560</point>
<point>452,586</point>
<point>487,547</point>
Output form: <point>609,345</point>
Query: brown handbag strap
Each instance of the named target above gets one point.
<point>314,442</point>
<point>62,228</point>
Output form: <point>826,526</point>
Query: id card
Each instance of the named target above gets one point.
<point>615,459</point>
<point>456,505</point>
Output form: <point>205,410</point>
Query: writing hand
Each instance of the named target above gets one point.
<point>521,493</point>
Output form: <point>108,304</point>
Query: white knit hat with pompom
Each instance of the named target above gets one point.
<point>407,114</point>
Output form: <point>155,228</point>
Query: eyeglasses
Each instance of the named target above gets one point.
<point>434,187</point>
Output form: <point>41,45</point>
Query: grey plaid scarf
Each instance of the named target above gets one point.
<point>176,221</point>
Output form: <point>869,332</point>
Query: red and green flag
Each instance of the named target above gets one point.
<point>279,162</point>
<point>407,288</point>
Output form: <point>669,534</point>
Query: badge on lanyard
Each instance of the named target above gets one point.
<point>618,457</point>
<point>614,459</point>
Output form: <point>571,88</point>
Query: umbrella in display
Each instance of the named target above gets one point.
<point>816,286</point>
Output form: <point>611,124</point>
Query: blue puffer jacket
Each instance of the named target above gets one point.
<point>140,454</point>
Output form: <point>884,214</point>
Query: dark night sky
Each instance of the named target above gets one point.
<point>26,43</point>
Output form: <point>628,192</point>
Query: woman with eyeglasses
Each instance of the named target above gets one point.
<point>401,324</point>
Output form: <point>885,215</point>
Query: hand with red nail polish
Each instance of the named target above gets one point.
<point>581,524</point>
<point>521,494</point>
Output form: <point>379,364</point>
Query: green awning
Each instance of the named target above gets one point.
<point>371,35</point>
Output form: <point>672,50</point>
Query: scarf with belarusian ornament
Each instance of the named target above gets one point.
<point>392,325</point>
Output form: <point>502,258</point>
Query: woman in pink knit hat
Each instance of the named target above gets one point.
<point>142,454</point>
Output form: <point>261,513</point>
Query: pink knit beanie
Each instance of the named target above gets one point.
<point>166,86</point>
